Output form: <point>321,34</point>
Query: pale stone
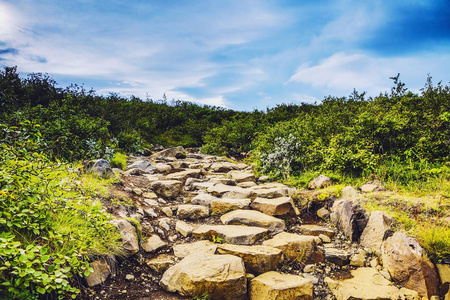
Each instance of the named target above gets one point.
<point>337,256</point>
<point>170,152</point>
<point>184,250</point>
<point>223,167</point>
<point>254,218</point>
<point>246,185</point>
<point>274,207</point>
<point>444,272</point>
<point>220,276</point>
<point>167,211</point>
<point>188,211</point>
<point>263,178</point>
<point>348,193</point>
<point>202,185</point>
<point>273,285</point>
<point>224,205</point>
<point>153,243</point>
<point>160,263</point>
<point>373,186</point>
<point>368,284</point>
<point>230,191</point>
<point>101,271</point>
<point>241,176</point>
<point>349,217</point>
<point>150,212</point>
<point>234,234</point>
<point>409,265</point>
<point>320,182</point>
<point>297,247</point>
<point>184,228</point>
<point>203,199</point>
<point>167,188</point>
<point>184,175</point>
<point>271,193</point>
<point>151,202</point>
<point>144,166</point>
<point>162,168</point>
<point>316,230</point>
<point>377,227</point>
<point>324,238</point>
<point>130,241</point>
<point>129,277</point>
<point>257,259</point>
<point>164,223</point>
<point>323,213</point>
<point>358,259</point>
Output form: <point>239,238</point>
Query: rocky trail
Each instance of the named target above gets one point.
<point>203,227</point>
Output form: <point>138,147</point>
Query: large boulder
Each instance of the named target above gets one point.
<point>130,241</point>
<point>219,276</point>
<point>368,284</point>
<point>167,188</point>
<point>376,230</point>
<point>257,259</point>
<point>99,167</point>
<point>296,247</point>
<point>349,217</point>
<point>409,265</point>
<point>273,285</point>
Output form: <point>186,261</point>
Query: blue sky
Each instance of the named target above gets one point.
<point>244,55</point>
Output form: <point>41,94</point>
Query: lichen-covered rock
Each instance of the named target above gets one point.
<point>409,265</point>
<point>273,285</point>
<point>99,167</point>
<point>160,263</point>
<point>219,276</point>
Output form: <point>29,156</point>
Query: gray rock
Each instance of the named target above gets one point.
<point>167,188</point>
<point>375,232</point>
<point>349,217</point>
<point>130,241</point>
<point>100,167</point>
<point>253,218</point>
<point>145,166</point>
<point>153,243</point>
<point>100,273</point>
<point>203,199</point>
<point>188,211</point>
<point>234,234</point>
<point>337,256</point>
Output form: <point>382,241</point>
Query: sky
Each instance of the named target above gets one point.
<point>242,55</point>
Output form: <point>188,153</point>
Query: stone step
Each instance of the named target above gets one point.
<point>253,218</point>
<point>274,207</point>
<point>234,234</point>
<point>223,205</point>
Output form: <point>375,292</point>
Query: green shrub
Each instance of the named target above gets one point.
<point>119,160</point>
<point>49,229</point>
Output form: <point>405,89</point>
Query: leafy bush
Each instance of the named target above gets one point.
<point>119,161</point>
<point>49,229</point>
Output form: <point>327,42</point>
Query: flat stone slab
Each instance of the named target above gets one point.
<point>223,205</point>
<point>274,207</point>
<point>368,284</point>
<point>253,218</point>
<point>167,188</point>
<point>184,228</point>
<point>257,259</point>
<point>183,250</point>
<point>271,193</point>
<point>234,234</point>
<point>220,276</point>
<point>231,191</point>
<point>153,243</point>
<point>316,230</point>
<point>337,256</point>
<point>202,185</point>
<point>203,199</point>
<point>160,263</point>
<point>296,247</point>
<point>188,211</point>
<point>241,176</point>
<point>223,167</point>
<point>183,175</point>
<point>273,285</point>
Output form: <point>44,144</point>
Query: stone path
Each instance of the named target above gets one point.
<point>209,228</point>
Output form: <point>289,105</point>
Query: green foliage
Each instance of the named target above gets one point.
<point>435,239</point>
<point>49,229</point>
<point>119,160</point>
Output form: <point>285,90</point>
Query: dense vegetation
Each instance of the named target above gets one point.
<point>399,137</point>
